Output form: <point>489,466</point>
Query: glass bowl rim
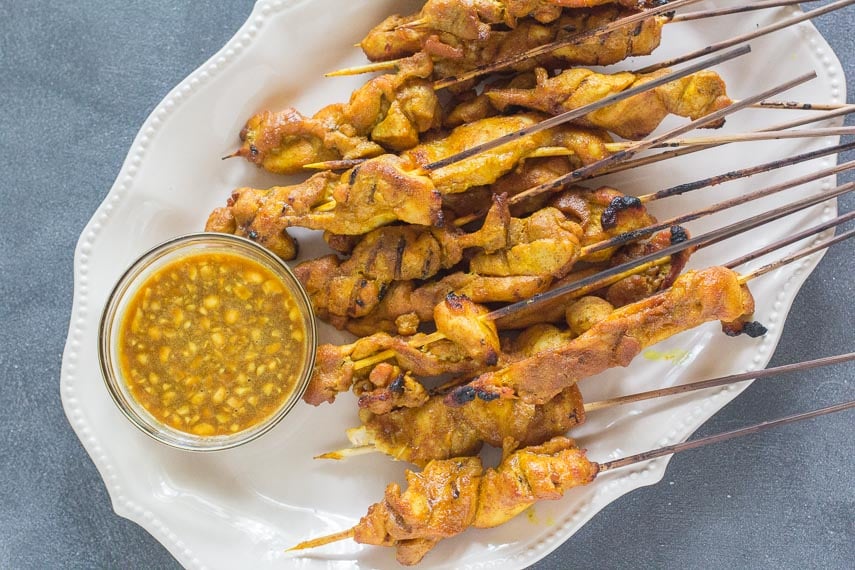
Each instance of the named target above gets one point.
<point>124,287</point>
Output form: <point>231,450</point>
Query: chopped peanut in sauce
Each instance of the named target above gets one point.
<point>212,344</point>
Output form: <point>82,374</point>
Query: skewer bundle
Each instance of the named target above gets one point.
<point>433,220</point>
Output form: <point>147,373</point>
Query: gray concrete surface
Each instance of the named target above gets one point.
<point>77,80</point>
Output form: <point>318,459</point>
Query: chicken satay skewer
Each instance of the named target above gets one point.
<point>568,116</point>
<point>582,357</point>
<point>548,48</point>
<point>615,147</point>
<point>348,452</point>
<point>633,201</point>
<point>653,159</point>
<point>393,64</point>
<point>463,494</point>
<point>604,278</point>
<point>572,40</point>
<point>742,38</point>
<point>625,155</point>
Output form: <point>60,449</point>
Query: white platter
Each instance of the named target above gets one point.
<point>243,507</point>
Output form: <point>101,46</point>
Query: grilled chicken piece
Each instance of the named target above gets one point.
<point>396,38</point>
<point>694,96</point>
<point>434,430</point>
<point>695,298</point>
<point>467,347</point>
<point>388,113</point>
<point>541,264</point>
<point>390,188</point>
<point>353,288</point>
<point>448,496</point>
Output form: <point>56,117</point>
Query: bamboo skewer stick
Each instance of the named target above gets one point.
<point>625,155</point>
<point>743,173</point>
<point>742,137</point>
<point>715,208</point>
<point>641,457</point>
<point>623,146</point>
<point>585,109</point>
<point>717,382</point>
<point>736,10</point>
<point>839,220</point>
<point>701,442</point>
<point>798,106</point>
<point>749,36</point>
<point>348,452</point>
<point>798,255</point>
<point>550,47</point>
<point>367,68</point>
<point>648,160</point>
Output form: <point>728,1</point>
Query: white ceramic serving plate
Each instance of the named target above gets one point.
<point>243,507</point>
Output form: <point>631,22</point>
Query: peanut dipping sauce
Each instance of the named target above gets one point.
<point>212,344</point>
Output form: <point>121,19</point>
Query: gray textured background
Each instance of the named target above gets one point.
<point>77,80</point>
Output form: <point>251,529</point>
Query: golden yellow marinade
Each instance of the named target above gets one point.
<point>212,344</point>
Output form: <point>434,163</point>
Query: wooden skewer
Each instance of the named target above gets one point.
<point>640,457</point>
<point>368,68</point>
<point>742,137</point>
<point>744,173</point>
<point>544,152</point>
<point>701,442</point>
<point>315,543</point>
<point>736,10</point>
<point>585,109</point>
<point>839,220</point>
<point>798,106</point>
<point>749,36</point>
<point>574,39</point>
<point>716,382</point>
<point>348,452</point>
<point>634,235</point>
<point>625,155</point>
<point>647,160</point>
<point>796,256</point>
<point>335,164</point>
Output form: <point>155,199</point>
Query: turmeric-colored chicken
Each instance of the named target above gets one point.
<point>694,96</point>
<point>543,244</point>
<point>448,496</point>
<point>473,19</point>
<point>433,430</point>
<point>390,188</point>
<point>696,297</point>
<point>490,280</point>
<point>471,343</point>
<point>388,113</point>
<point>452,54</point>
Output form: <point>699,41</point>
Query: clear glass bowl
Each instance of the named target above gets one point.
<point>123,293</point>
